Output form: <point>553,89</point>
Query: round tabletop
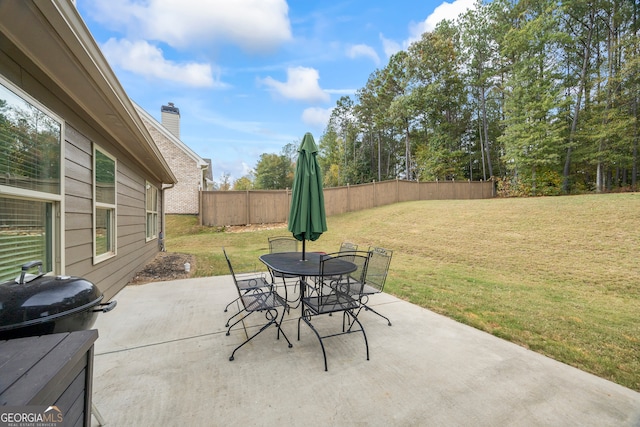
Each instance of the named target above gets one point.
<point>291,263</point>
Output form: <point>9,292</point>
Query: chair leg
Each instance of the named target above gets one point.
<point>273,320</point>
<point>250,338</point>
<point>366,343</point>
<point>238,321</point>
<point>324,353</point>
<point>279,325</point>
<point>367,308</point>
<point>297,300</point>
<point>230,318</point>
<point>229,305</point>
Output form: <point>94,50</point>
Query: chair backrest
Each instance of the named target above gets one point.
<point>233,274</point>
<point>378,267</point>
<point>348,247</point>
<point>351,283</point>
<point>282,244</point>
<point>243,284</point>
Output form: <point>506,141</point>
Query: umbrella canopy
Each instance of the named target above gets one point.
<point>307,219</point>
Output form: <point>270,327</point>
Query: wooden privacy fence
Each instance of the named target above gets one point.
<point>220,208</point>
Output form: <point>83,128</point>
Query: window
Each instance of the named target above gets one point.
<point>30,185</point>
<point>104,195</point>
<point>151,206</point>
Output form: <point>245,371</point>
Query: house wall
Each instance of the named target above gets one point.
<point>183,198</point>
<point>133,251</point>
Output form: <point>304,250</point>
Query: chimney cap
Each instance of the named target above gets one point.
<point>171,108</point>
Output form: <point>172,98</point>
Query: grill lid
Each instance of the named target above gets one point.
<point>33,299</point>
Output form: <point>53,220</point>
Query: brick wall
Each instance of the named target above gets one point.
<point>183,197</point>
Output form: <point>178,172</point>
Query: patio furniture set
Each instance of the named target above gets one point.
<point>316,283</point>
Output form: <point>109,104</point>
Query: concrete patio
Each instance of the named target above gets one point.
<point>162,359</point>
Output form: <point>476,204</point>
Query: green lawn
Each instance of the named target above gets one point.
<point>558,275</point>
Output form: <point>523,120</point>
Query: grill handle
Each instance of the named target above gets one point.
<point>106,307</point>
<point>28,266</point>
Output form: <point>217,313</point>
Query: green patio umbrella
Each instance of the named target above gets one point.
<point>307,219</point>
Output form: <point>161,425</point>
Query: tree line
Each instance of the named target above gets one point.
<point>540,95</point>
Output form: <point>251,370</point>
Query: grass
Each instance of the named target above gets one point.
<point>557,275</point>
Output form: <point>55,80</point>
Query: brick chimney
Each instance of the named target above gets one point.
<point>171,119</point>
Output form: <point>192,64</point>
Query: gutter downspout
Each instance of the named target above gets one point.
<point>163,220</point>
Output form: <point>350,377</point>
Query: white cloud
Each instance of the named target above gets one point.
<point>446,10</point>
<point>254,25</point>
<point>449,11</point>
<point>389,46</point>
<point>302,84</point>
<point>145,59</point>
<point>317,117</point>
<point>360,50</point>
<point>341,91</point>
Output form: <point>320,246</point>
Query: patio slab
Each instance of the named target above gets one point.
<point>162,359</point>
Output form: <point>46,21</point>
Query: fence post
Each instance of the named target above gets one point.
<point>200,215</point>
<point>286,195</point>
<point>375,198</point>
<point>248,202</point>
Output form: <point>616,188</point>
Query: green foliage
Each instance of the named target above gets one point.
<point>523,91</point>
<point>274,172</point>
<point>242,184</point>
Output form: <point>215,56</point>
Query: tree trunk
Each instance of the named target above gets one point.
<point>407,151</point>
<point>576,111</point>
<point>485,127</point>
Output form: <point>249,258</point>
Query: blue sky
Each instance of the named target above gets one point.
<point>250,76</point>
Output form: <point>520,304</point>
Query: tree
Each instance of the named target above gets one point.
<point>532,134</point>
<point>537,92</point>
<point>329,156</point>
<point>273,172</point>
<point>243,183</point>
<point>480,35</point>
<point>438,101</point>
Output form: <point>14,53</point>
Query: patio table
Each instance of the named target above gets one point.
<point>291,263</point>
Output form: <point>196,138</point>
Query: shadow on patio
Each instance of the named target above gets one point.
<point>163,359</point>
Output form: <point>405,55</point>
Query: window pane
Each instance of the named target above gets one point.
<point>152,211</point>
<point>151,229</point>
<point>104,231</point>
<point>29,145</point>
<point>105,179</point>
<point>25,235</point>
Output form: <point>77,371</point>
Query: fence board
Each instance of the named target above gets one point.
<point>221,208</point>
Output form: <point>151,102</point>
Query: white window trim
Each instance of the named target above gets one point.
<point>103,257</point>
<point>148,186</point>
<point>58,200</point>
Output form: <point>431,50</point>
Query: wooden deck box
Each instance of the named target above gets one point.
<point>49,370</point>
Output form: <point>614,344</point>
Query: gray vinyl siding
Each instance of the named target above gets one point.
<point>132,252</point>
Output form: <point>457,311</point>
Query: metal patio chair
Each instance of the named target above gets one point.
<point>348,247</point>
<point>283,244</point>
<point>260,299</point>
<point>374,277</point>
<point>332,293</point>
<point>246,284</point>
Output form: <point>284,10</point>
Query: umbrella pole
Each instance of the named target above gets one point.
<point>303,249</point>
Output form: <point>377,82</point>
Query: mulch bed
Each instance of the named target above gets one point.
<point>165,266</point>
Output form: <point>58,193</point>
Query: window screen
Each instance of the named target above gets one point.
<point>26,234</point>
<point>152,211</point>
<point>105,205</point>
<point>29,145</point>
